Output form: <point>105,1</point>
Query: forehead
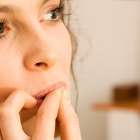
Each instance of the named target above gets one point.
<point>20,2</point>
<point>16,6</point>
<point>28,2</point>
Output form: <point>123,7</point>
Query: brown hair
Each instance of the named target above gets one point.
<point>74,42</point>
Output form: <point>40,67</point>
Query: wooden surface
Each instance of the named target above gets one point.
<point>104,106</point>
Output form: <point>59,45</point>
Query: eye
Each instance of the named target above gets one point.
<point>1,28</point>
<point>53,15</point>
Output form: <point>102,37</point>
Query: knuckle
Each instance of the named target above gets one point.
<point>72,119</point>
<point>16,92</point>
<point>5,113</point>
<point>46,112</point>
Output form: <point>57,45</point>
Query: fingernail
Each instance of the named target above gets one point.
<point>66,97</point>
<point>61,88</point>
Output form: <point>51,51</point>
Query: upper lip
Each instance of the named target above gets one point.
<point>48,89</point>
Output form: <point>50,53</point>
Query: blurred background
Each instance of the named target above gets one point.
<point>108,57</point>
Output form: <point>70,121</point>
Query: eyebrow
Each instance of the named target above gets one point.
<point>12,9</point>
<point>44,1</point>
<point>9,9</point>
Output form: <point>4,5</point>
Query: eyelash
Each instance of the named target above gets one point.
<point>3,22</point>
<point>58,11</point>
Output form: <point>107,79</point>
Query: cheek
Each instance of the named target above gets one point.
<point>66,47</point>
<point>62,42</point>
<point>12,51</point>
<point>61,39</point>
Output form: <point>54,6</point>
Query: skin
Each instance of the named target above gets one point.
<point>31,40</point>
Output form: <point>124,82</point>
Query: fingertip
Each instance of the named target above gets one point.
<point>34,101</point>
<point>30,101</point>
<point>58,92</point>
<point>62,102</point>
<point>65,109</point>
<point>65,98</point>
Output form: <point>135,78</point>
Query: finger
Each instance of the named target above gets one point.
<point>1,136</point>
<point>9,114</point>
<point>69,123</point>
<point>46,116</point>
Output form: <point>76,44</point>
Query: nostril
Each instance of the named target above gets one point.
<point>38,64</point>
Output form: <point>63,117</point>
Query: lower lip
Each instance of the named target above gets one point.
<point>39,102</point>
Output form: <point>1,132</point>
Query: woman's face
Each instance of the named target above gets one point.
<point>27,38</point>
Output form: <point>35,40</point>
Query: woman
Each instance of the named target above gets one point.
<point>35,60</point>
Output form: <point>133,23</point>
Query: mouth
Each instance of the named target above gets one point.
<point>40,96</point>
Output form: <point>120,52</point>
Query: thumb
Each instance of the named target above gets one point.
<point>69,123</point>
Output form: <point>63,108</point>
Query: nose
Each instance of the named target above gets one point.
<point>41,52</point>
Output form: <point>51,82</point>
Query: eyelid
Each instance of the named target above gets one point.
<point>9,25</point>
<point>5,32</point>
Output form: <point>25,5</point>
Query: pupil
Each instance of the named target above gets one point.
<point>1,28</point>
<point>54,15</point>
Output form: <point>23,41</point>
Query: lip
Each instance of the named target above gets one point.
<point>48,89</point>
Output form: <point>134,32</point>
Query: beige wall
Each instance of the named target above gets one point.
<point>114,27</point>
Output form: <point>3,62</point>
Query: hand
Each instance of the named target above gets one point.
<point>52,107</point>
<point>69,124</point>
